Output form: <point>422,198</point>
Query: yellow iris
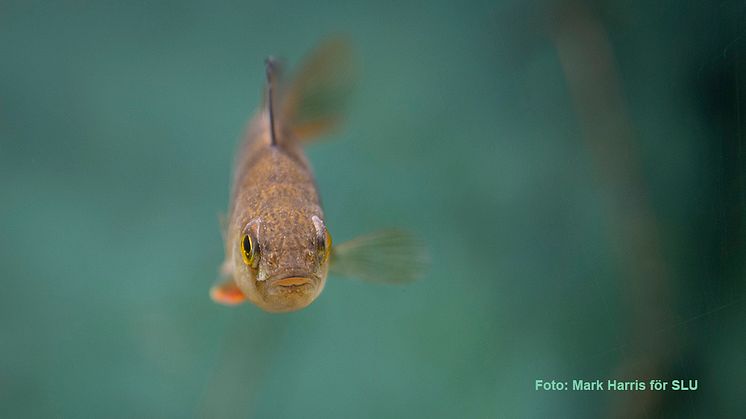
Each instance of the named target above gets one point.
<point>327,245</point>
<point>248,250</point>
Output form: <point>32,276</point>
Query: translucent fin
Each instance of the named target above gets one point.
<point>227,293</point>
<point>223,220</point>
<point>314,101</point>
<point>387,256</point>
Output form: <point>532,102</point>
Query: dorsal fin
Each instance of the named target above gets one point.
<point>271,69</point>
<point>313,101</point>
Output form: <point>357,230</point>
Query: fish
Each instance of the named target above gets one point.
<point>278,248</point>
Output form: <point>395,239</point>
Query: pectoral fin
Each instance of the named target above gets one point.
<point>385,256</point>
<point>227,293</point>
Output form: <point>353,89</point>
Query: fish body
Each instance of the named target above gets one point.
<point>277,246</point>
<point>276,202</point>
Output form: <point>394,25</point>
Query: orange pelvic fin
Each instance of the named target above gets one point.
<point>227,293</point>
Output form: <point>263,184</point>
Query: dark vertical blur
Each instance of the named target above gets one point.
<point>590,66</point>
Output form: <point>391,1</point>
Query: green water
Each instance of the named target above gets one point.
<point>118,123</point>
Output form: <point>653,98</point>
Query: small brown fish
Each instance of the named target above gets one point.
<point>278,249</point>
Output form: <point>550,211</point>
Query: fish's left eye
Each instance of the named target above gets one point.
<point>324,246</point>
<point>323,239</point>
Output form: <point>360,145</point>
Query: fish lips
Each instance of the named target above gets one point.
<point>293,281</point>
<point>288,291</point>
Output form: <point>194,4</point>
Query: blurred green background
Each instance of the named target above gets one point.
<point>577,170</point>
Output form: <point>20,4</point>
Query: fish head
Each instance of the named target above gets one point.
<point>282,261</point>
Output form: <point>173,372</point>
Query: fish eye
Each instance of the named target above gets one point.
<point>323,239</point>
<point>248,250</point>
<point>325,246</point>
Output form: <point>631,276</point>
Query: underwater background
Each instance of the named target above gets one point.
<point>576,169</point>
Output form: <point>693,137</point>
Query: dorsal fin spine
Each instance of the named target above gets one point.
<point>271,69</point>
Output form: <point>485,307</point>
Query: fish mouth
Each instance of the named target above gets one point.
<point>293,281</point>
<point>289,290</point>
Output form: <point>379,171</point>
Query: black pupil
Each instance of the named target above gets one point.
<point>247,244</point>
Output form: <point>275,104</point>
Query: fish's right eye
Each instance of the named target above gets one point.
<point>248,250</point>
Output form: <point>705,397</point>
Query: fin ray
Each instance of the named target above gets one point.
<point>389,256</point>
